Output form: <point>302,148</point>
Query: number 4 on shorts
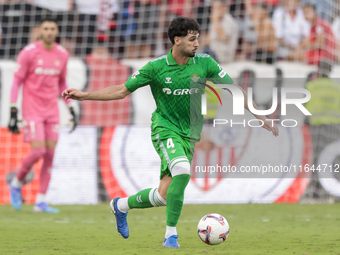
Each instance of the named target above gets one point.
<point>170,143</point>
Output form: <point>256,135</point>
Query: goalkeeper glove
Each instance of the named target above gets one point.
<point>74,121</point>
<point>13,123</point>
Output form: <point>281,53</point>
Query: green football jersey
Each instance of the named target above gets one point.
<point>178,101</point>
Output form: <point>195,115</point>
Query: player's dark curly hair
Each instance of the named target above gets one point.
<point>181,26</point>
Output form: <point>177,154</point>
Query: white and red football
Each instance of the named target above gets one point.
<point>213,229</point>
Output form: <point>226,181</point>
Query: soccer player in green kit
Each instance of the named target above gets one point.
<point>172,135</point>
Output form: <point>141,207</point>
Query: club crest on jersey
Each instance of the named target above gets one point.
<point>57,63</point>
<point>134,75</point>
<point>195,78</point>
<point>40,62</point>
<point>168,80</point>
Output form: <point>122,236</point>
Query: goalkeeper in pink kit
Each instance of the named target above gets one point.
<point>41,69</point>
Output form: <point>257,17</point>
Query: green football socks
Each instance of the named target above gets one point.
<point>145,199</point>
<point>175,198</point>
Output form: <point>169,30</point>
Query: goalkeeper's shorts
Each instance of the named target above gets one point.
<point>38,130</point>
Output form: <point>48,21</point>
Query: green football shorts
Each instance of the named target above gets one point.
<point>172,149</point>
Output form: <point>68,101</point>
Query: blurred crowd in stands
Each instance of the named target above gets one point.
<point>261,30</point>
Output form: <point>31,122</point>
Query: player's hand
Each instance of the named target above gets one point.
<point>271,126</point>
<point>13,123</point>
<point>74,94</point>
<point>74,121</point>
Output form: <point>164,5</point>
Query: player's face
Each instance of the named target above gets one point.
<point>188,45</point>
<point>49,32</point>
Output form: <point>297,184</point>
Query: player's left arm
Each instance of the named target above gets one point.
<point>216,71</point>
<point>62,87</point>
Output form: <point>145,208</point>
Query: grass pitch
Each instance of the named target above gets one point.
<point>254,229</point>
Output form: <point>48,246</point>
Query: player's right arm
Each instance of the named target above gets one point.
<point>106,94</point>
<point>19,77</point>
<point>139,79</point>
